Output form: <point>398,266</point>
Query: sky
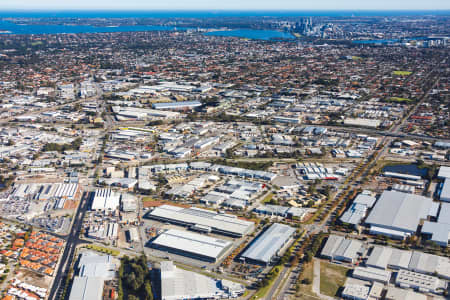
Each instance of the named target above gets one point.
<point>224,5</point>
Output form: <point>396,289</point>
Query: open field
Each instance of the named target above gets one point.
<point>332,278</point>
<point>402,73</point>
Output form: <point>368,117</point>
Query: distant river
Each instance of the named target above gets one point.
<point>7,27</point>
<point>13,28</point>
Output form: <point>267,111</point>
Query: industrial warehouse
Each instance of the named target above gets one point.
<point>105,199</point>
<point>181,284</point>
<point>398,214</point>
<point>192,245</point>
<point>47,191</point>
<point>268,245</point>
<point>341,249</point>
<point>202,220</point>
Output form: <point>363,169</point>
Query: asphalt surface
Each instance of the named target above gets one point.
<point>69,251</point>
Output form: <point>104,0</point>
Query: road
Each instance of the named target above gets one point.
<point>69,251</point>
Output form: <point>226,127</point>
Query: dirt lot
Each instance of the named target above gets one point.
<point>33,278</point>
<point>305,283</point>
<point>332,278</point>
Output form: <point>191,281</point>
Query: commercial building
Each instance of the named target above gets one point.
<point>129,203</point>
<point>371,123</point>
<point>417,281</point>
<point>445,191</point>
<point>87,288</point>
<point>379,257</point>
<point>384,257</point>
<point>225,224</point>
<point>135,113</point>
<point>182,105</point>
<point>106,230</point>
<point>394,293</point>
<point>93,270</point>
<point>439,232</point>
<point>192,245</point>
<point>358,210</point>
<point>402,176</point>
<point>376,291</point>
<point>372,274</point>
<point>267,246</point>
<point>105,199</point>
<point>398,214</point>
<point>430,264</point>
<point>281,119</point>
<point>282,211</point>
<point>355,292</point>
<point>341,249</point>
<point>444,172</point>
<point>181,284</point>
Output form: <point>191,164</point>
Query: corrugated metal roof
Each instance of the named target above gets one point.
<point>399,211</point>
<point>269,243</point>
<point>331,245</point>
<point>195,216</point>
<point>87,288</point>
<point>445,192</point>
<point>193,243</point>
<point>379,257</point>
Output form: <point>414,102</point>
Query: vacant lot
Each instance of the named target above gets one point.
<point>332,277</point>
<point>305,283</point>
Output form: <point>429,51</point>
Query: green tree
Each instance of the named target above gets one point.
<point>148,295</point>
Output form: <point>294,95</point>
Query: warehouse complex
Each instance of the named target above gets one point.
<point>362,203</point>
<point>202,220</point>
<point>398,214</point>
<point>93,270</point>
<point>267,246</point>
<point>396,259</point>
<point>341,249</point>
<point>181,284</point>
<point>59,192</point>
<point>192,245</point>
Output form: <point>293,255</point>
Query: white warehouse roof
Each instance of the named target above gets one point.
<point>269,243</point>
<point>105,199</point>
<point>86,288</point>
<point>181,284</point>
<point>193,243</point>
<point>221,223</point>
<point>399,211</point>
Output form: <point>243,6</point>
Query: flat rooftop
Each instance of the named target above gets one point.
<point>266,246</point>
<point>220,223</point>
<point>193,243</point>
<point>399,211</point>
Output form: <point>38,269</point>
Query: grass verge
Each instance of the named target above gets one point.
<point>103,250</point>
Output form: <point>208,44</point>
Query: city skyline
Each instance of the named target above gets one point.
<point>233,5</point>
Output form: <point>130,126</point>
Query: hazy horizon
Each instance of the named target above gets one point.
<point>231,5</point>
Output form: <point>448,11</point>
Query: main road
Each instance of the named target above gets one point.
<point>72,240</point>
